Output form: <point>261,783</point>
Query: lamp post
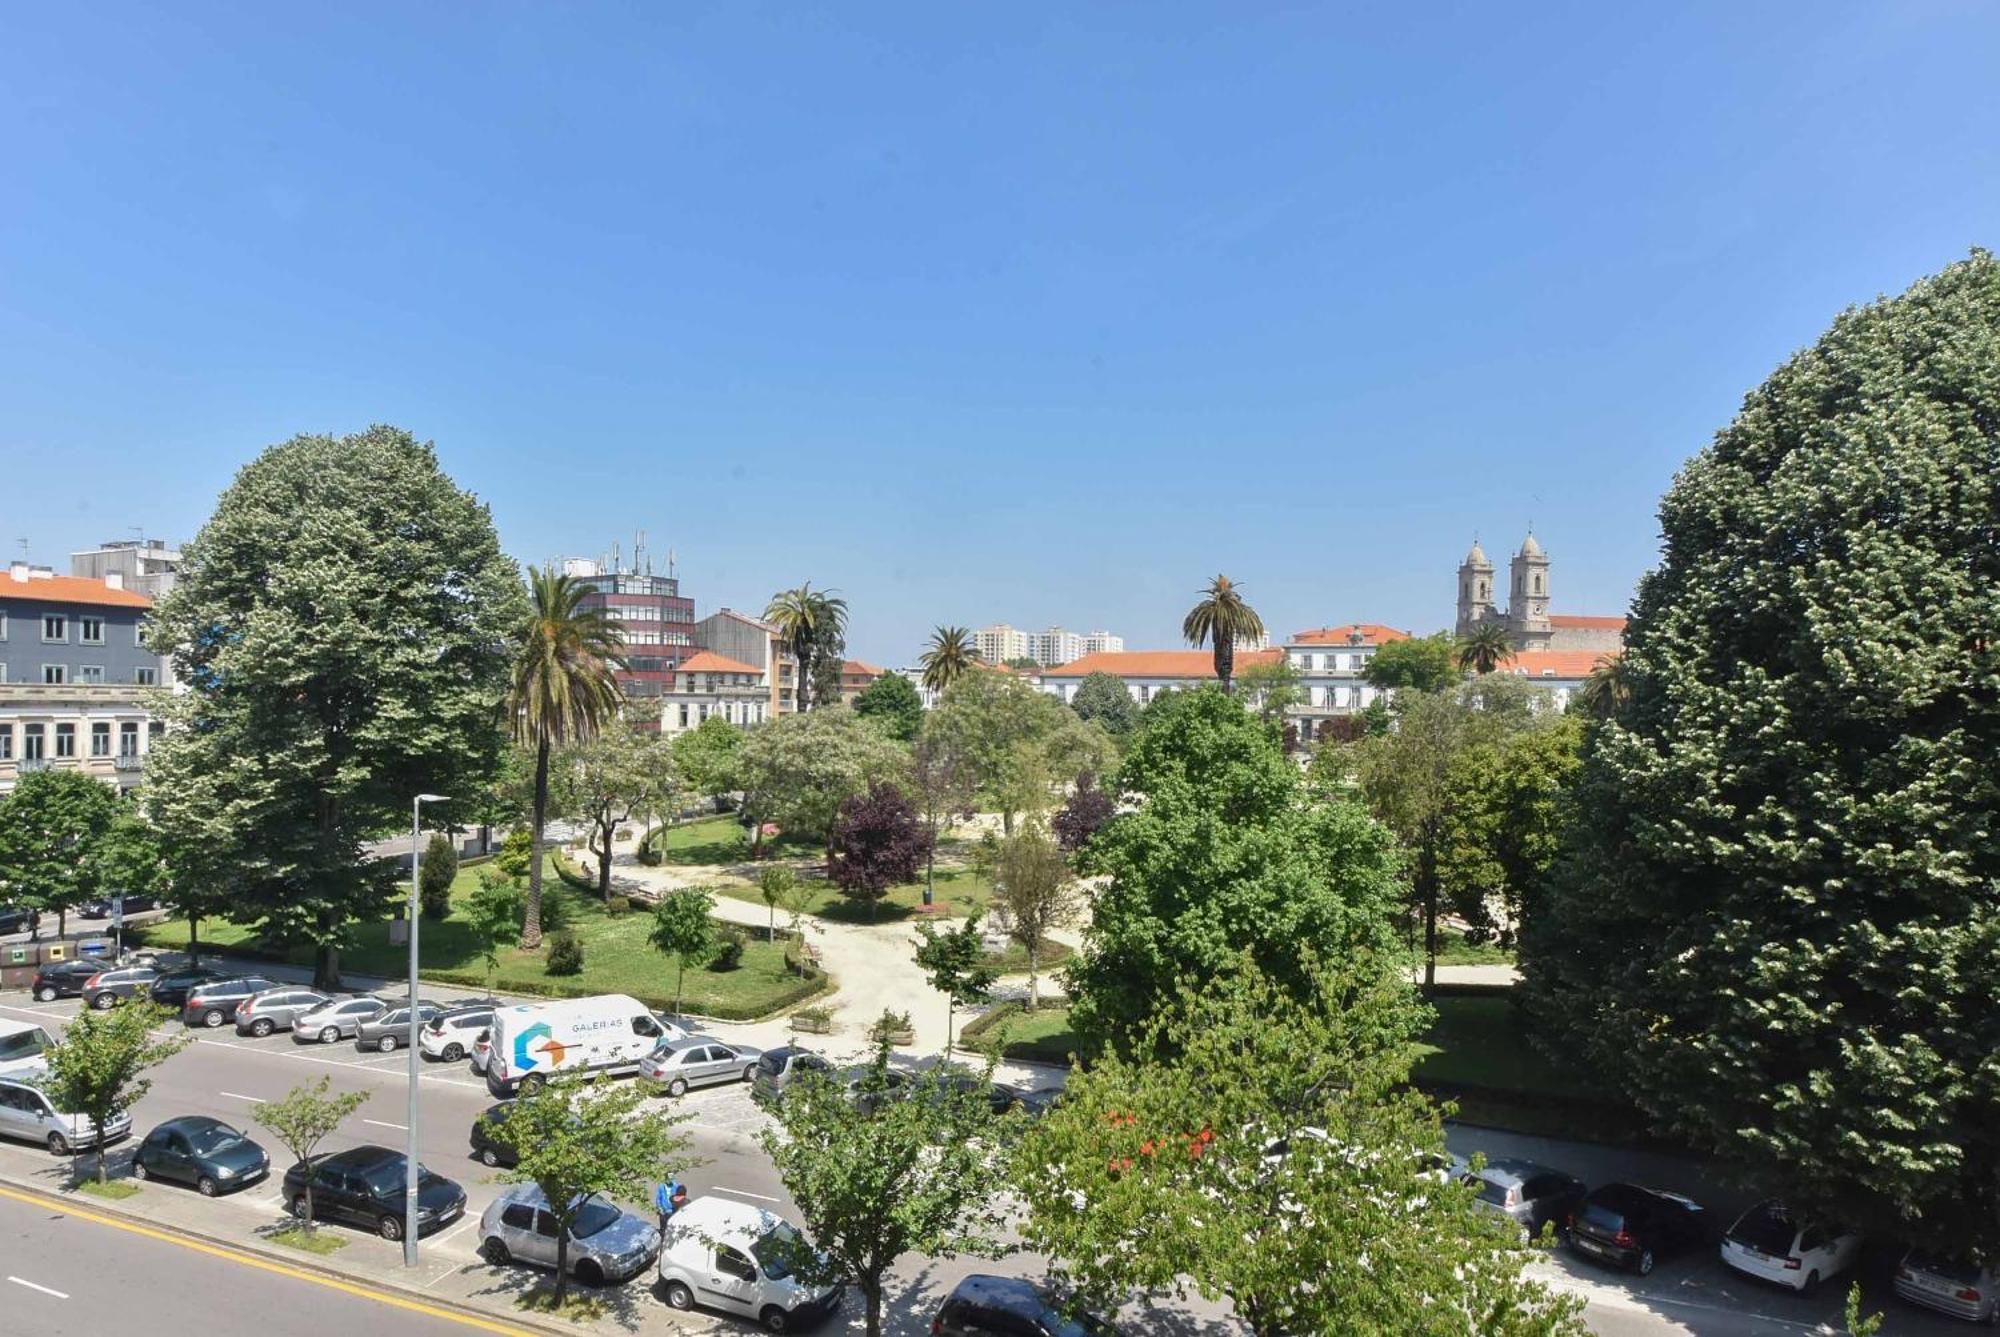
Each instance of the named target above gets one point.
<point>410,1157</point>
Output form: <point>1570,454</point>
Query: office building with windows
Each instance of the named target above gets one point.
<point>657,619</point>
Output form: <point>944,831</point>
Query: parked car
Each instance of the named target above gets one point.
<point>1530,1195</point>
<point>213,1002</point>
<point>781,1067</point>
<point>363,1186</point>
<point>28,1112</point>
<point>606,1243</point>
<point>982,1304</point>
<point>676,1065</point>
<point>1950,1285</point>
<point>276,1009</point>
<point>1770,1243</point>
<point>63,979</point>
<point>733,1257</point>
<point>18,918</point>
<point>201,1151</point>
<point>482,1050</point>
<point>1634,1227</point>
<point>450,1034</point>
<point>22,1047</point>
<point>108,988</point>
<point>999,1096</point>
<point>335,1019</point>
<point>171,988</point>
<point>489,1144</point>
<point>1040,1101</point>
<point>102,907</point>
<point>389,1029</point>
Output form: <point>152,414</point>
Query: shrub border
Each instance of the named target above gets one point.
<point>1027,1051</point>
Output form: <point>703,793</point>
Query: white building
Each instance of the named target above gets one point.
<point>708,684</point>
<point>1145,673</point>
<point>1099,643</point>
<point>1056,646</point>
<point>999,643</point>
<point>1330,661</point>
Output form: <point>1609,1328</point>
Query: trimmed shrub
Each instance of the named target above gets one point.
<point>729,950</point>
<point>565,955</point>
<point>434,876</point>
<point>517,851</point>
<point>617,905</point>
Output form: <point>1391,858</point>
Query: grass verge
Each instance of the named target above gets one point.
<point>320,1242</point>
<point>116,1190</point>
<point>1014,961</point>
<point>579,1306</point>
<point>1041,1036</point>
<point>958,890</point>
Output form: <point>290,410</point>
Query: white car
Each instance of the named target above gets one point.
<point>449,1035</point>
<point>1770,1243</point>
<point>22,1047</point>
<point>731,1257</point>
<point>1950,1285</point>
<point>29,1113</point>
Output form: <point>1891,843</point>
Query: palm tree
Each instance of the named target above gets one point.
<point>948,658</point>
<point>1608,689</point>
<point>806,617</point>
<point>563,692</point>
<point>1484,648</point>
<point>1223,619</point>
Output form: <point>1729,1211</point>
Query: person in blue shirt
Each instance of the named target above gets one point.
<point>669,1198</point>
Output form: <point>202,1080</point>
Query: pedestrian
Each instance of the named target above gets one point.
<point>668,1199</point>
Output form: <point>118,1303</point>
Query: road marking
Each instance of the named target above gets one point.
<point>33,1287</point>
<point>263,1264</point>
<point>238,1095</point>
<point>742,1193</point>
<point>459,1229</point>
<point>379,1124</point>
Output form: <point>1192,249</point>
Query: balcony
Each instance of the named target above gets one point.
<point>29,765</point>
<point>132,762</point>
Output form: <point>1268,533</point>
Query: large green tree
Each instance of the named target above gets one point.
<point>1283,1142</point>
<point>562,693</point>
<point>1016,742</point>
<point>93,1070</point>
<point>893,702</point>
<point>798,769</point>
<point>52,825</point>
<point>705,757</point>
<point>1220,620</point>
<point>340,630</point>
<point>1425,663</point>
<point>620,772</point>
<point>1485,648</point>
<point>1509,800</point>
<point>1223,854</point>
<point>1779,927</point>
<point>1104,700</point>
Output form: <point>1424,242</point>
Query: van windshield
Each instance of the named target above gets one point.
<point>779,1248</point>
<point>23,1044</point>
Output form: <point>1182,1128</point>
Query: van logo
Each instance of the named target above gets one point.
<point>555,1049</point>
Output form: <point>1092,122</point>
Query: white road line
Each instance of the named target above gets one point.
<point>742,1193</point>
<point>238,1095</point>
<point>379,1124</point>
<point>459,1229</point>
<point>33,1287</point>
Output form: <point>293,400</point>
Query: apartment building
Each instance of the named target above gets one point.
<point>1000,643</point>
<point>856,676</point>
<point>755,642</point>
<point>658,621</point>
<point>712,685</point>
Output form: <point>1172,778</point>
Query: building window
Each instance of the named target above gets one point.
<point>90,673</point>
<point>65,740</point>
<point>33,741</point>
<point>684,715</point>
<point>146,677</point>
<point>54,675</point>
<point>55,627</point>
<point>3,626</point>
<point>128,739</point>
<point>6,742</point>
<point>139,634</point>
<point>91,630</point>
<point>100,740</point>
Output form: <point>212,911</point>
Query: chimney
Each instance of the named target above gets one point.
<point>18,570</point>
<point>115,579</point>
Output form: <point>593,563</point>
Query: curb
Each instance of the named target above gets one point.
<point>293,1260</point>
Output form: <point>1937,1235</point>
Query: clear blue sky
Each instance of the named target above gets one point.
<point>974,313</point>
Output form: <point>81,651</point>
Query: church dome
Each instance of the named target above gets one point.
<point>1530,548</point>
<point>1477,557</point>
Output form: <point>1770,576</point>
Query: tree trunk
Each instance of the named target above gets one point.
<point>1427,875</point>
<point>62,922</point>
<point>194,940</point>
<point>562,1265</point>
<point>97,1127</point>
<point>531,924</point>
<point>1225,658</point>
<point>871,1292</point>
<point>604,863</point>
<point>771,928</point>
<point>950,1025</point>
<point>1034,992</point>
<point>326,956</point>
<point>680,980</point>
<point>1006,821</point>
<point>930,867</point>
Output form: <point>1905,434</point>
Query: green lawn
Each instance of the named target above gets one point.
<point>1454,950</point>
<point>1478,1056</point>
<point>718,841</point>
<point>1041,1036</point>
<point>1014,961</point>
<point>616,958</point>
<point>959,889</point>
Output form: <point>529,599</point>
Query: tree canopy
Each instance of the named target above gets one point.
<point>1425,663</point>
<point>798,769</point>
<point>878,843</point>
<point>1220,620</point>
<point>705,756</point>
<point>53,824</point>
<point>621,772</point>
<point>1015,741</point>
<point>1104,700</point>
<point>893,702</point>
<point>1777,927</point>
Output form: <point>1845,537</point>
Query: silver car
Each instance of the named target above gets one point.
<point>335,1020</point>
<point>392,1027</point>
<point>29,1113</point>
<point>276,1009</point>
<point>676,1065</point>
<point>606,1243</point>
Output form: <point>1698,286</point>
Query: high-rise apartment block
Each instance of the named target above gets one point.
<point>1000,643</point>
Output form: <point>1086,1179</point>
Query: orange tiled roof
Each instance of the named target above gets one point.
<point>857,666</point>
<point>1372,633</point>
<point>1156,663</point>
<point>1590,623</point>
<point>707,661</point>
<point>70,590</point>
<point>1553,663</point>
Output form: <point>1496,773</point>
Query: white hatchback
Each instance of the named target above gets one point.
<point>1769,1243</point>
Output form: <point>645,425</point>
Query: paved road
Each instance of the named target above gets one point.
<point>69,1273</point>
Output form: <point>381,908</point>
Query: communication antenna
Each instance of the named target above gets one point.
<point>670,563</point>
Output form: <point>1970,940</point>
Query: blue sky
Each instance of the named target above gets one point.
<point>1037,315</point>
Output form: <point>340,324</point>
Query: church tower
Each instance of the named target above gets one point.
<point>1528,600</point>
<point>1475,591</point>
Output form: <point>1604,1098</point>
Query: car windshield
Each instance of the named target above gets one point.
<point>594,1216</point>
<point>1955,1270</point>
<point>1603,1216</point>
<point>772,1063</point>
<point>25,1044</point>
<point>214,1138</point>
<point>776,1250</point>
<point>1491,1192</point>
<point>386,1177</point>
<point>1765,1230</point>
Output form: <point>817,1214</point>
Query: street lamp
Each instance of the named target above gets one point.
<point>410,1159</point>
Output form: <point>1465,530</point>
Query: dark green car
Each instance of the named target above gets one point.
<point>206,1153</point>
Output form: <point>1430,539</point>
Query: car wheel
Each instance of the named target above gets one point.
<point>495,1252</point>
<point>102,1002</point>
<point>679,1296</point>
<point>299,1205</point>
<point>453,1053</point>
<point>677,1087</point>
<point>387,1044</point>
<point>488,1156</point>
<point>58,1145</point>
<point>212,1018</point>
<point>589,1273</point>
<point>775,1319</point>
<point>261,1027</point>
<point>331,1035</point>
<point>207,1186</point>
<point>1645,1266</point>
<point>532,1083</point>
<point>139,1170</point>
<point>1810,1284</point>
<point>45,994</point>
<point>390,1227</point>
<point>749,1072</point>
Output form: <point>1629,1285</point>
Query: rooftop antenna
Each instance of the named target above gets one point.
<point>670,563</point>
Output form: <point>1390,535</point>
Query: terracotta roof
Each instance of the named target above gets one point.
<point>70,590</point>
<point>1553,663</point>
<point>853,666</point>
<point>1156,663</point>
<point>1372,633</point>
<point>707,661</point>
<point>1580,623</point>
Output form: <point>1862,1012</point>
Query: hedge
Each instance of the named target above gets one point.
<point>1043,1050</point>
<point>570,873</point>
<point>800,992</point>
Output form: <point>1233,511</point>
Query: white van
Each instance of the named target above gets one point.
<point>732,1257</point>
<point>22,1045</point>
<point>606,1033</point>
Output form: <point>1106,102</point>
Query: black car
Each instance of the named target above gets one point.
<point>488,1144</point>
<point>999,1096</point>
<point>201,1151</point>
<point>364,1186</point>
<point>102,907</point>
<point>213,1002</point>
<point>1633,1227</point>
<point>18,918</point>
<point>64,979</point>
<point>983,1304</point>
<point>172,988</point>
